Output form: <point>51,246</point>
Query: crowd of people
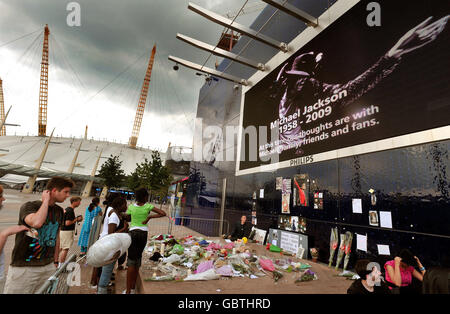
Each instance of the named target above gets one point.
<point>45,232</point>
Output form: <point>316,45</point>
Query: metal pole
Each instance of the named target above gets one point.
<point>222,207</point>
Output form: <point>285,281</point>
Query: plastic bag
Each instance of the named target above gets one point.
<point>229,246</point>
<point>213,246</point>
<point>204,266</point>
<point>225,270</point>
<point>210,274</point>
<point>266,264</point>
<point>172,259</point>
<point>108,249</point>
<point>203,243</point>
<point>177,249</point>
<point>274,248</point>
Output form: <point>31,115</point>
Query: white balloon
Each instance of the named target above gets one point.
<point>108,249</point>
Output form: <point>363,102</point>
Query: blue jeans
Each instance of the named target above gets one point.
<point>105,278</point>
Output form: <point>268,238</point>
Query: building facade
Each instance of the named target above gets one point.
<point>408,181</point>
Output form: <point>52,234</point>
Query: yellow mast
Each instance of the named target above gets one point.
<point>142,100</point>
<point>43,88</point>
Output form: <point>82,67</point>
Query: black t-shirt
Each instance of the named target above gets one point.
<point>358,288</point>
<point>69,214</point>
<point>37,249</point>
<point>241,230</point>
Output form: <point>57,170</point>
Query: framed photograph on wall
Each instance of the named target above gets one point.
<point>373,218</point>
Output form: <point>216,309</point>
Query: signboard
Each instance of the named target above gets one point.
<point>355,84</point>
<point>288,241</point>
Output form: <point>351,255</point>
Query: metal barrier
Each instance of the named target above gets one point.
<point>185,226</point>
<point>181,226</point>
<point>59,282</point>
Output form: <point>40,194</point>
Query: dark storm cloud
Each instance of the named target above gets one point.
<point>113,33</point>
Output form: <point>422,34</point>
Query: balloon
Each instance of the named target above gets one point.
<point>108,249</point>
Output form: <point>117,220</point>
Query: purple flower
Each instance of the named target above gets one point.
<point>309,272</point>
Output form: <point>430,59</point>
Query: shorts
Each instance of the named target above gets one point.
<point>66,239</point>
<point>27,280</point>
<point>138,243</point>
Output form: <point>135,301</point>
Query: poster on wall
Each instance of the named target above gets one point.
<point>285,202</point>
<point>292,223</point>
<point>302,225</point>
<point>254,221</point>
<point>318,200</point>
<point>279,183</point>
<point>340,90</point>
<point>286,186</point>
<point>301,190</point>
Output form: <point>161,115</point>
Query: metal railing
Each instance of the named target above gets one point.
<point>60,281</point>
<point>185,226</point>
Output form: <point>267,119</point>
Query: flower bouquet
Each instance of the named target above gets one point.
<point>308,275</point>
<point>314,254</point>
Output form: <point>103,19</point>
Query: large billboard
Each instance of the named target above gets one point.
<point>354,83</point>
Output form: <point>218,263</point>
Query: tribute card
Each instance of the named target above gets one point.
<point>383,249</point>
<point>385,219</point>
<point>361,242</point>
<point>357,206</point>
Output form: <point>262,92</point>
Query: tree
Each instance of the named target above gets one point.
<point>111,172</point>
<point>133,181</point>
<point>151,174</point>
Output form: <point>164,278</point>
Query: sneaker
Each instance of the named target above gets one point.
<point>132,291</point>
<point>93,287</point>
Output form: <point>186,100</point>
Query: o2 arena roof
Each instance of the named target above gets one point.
<point>19,154</point>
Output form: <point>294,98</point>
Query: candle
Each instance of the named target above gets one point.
<point>162,249</point>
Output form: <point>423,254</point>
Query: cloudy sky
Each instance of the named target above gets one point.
<point>115,37</point>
